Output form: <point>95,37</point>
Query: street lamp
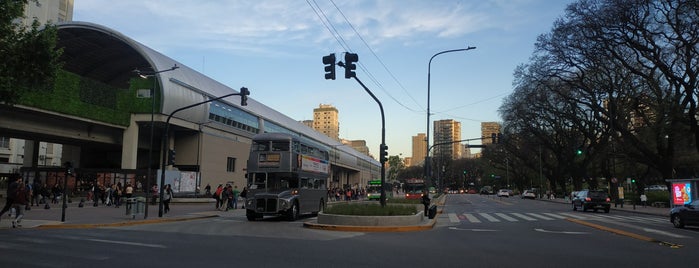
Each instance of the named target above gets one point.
<point>145,75</point>
<point>427,143</point>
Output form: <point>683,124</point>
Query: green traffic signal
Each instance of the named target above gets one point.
<point>578,152</point>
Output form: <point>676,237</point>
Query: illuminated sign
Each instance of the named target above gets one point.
<point>269,160</point>
<point>681,193</point>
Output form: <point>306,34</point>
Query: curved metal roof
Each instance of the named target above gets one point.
<point>103,54</point>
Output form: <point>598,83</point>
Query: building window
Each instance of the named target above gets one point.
<point>4,142</point>
<point>230,164</point>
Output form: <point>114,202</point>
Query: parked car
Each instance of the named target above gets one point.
<point>529,194</point>
<point>685,215</point>
<point>487,190</point>
<point>503,193</point>
<point>592,199</point>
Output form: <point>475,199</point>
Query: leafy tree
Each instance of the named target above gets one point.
<point>29,56</point>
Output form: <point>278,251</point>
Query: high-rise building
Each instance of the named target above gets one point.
<point>48,10</point>
<point>359,145</point>
<point>447,131</point>
<point>419,148</point>
<point>308,123</point>
<point>326,121</point>
<point>487,131</point>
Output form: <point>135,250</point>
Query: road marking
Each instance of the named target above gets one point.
<point>520,215</point>
<point>540,216</point>
<point>571,215</point>
<point>555,216</point>
<point>472,230</point>
<point>625,233</point>
<point>126,243</point>
<point>504,216</point>
<point>472,218</point>
<point>453,217</point>
<point>559,232</point>
<point>488,217</point>
<point>663,233</point>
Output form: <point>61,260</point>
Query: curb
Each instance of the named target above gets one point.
<point>118,224</point>
<point>351,228</point>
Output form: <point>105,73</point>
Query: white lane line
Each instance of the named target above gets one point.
<point>471,218</point>
<point>488,217</point>
<point>504,216</point>
<point>126,243</point>
<point>559,232</point>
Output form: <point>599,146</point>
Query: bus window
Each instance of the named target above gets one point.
<point>280,146</point>
<point>260,146</point>
<point>259,181</point>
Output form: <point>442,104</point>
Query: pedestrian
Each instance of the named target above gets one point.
<point>226,196</point>
<point>96,192</point>
<point>167,197</point>
<point>426,201</point>
<point>154,193</point>
<point>244,195</point>
<point>37,192</point>
<point>20,202</point>
<point>11,192</point>
<point>117,192</point>
<point>236,193</point>
<point>129,190</point>
<point>56,190</point>
<point>207,190</point>
<point>644,199</point>
<point>217,196</point>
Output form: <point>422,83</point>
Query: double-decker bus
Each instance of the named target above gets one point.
<point>414,188</point>
<point>286,176</point>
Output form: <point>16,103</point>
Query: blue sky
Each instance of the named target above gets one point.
<point>274,48</point>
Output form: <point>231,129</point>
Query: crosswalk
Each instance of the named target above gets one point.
<point>496,217</point>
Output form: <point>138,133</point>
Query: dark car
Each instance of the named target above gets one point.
<point>592,199</point>
<point>685,215</point>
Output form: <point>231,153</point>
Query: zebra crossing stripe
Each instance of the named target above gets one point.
<point>453,218</point>
<point>554,215</point>
<point>472,218</point>
<point>520,215</point>
<point>571,215</point>
<point>504,216</point>
<point>488,217</point>
<point>540,216</point>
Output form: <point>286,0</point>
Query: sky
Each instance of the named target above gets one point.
<point>275,49</point>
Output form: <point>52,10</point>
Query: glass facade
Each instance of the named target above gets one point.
<point>234,117</point>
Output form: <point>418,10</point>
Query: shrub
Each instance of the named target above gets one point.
<point>364,209</point>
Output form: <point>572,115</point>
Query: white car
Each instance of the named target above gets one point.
<point>528,194</point>
<point>504,193</point>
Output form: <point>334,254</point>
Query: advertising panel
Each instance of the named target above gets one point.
<point>681,193</point>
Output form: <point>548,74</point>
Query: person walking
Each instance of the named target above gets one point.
<point>167,197</point>
<point>244,195</point>
<point>235,194</point>
<point>217,196</point>
<point>129,190</point>
<point>426,201</point>
<point>11,192</point>
<point>20,202</point>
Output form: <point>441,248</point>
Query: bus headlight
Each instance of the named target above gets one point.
<point>283,204</point>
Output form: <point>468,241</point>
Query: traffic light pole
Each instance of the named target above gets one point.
<point>244,92</point>
<point>383,142</point>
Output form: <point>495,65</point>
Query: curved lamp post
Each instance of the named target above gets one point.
<point>427,147</point>
<point>146,75</point>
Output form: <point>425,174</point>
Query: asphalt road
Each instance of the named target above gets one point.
<point>472,231</point>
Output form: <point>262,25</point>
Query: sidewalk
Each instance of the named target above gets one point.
<point>648,210</point>
<point>105,216</point>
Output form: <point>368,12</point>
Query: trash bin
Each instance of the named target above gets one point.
<point>130,205</point>
<point>432,212</point>
<point>140,205</point>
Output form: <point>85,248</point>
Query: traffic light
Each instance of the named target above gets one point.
<point>578,152</point>
<point>69,168</point>
<point>244,92</point>
<point>384,153</point>
<point>171,157</point>
<point>350,59</point>
<point>329,62</point>
<point>494,138</point>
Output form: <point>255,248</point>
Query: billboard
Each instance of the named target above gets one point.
<point>681,193</point>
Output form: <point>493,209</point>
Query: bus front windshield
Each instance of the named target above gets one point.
<point>274,181</point>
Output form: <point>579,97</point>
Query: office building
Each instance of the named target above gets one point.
<point>447,132</point>
<point>326,121</point>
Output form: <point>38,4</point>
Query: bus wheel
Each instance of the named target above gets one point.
<point>250,215</point>
<point>293,213</point>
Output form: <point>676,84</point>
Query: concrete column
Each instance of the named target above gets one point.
<point>129,148</point>
<point>31,153</point>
